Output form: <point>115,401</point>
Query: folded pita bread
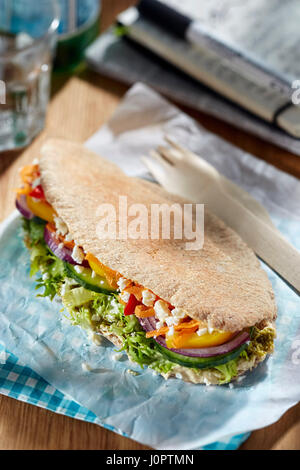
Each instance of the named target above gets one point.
<point>221,284</point>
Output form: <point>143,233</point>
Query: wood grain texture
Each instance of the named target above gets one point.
<point>79,106</point>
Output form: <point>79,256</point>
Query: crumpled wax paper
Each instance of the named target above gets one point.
<point>163,414</point>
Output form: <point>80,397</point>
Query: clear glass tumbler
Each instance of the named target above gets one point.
<point>27,41</point>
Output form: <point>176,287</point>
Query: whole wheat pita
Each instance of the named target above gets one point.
<point>223,284</point>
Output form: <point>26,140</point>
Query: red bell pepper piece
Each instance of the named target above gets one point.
<point>130,307</point>
<point>37,193</point>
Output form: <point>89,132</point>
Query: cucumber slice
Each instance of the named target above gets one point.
<point>89,281</point>
<point>201,362</point>
<point>39,221</point>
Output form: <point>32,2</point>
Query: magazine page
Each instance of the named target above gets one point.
<point>264,30</point>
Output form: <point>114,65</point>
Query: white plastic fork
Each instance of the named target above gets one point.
<point>189,176</point>
<point>186,163</point>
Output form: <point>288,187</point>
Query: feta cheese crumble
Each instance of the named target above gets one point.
<point>210,328</point>
<point>159,325</point>
<point>202,331</point>
<point>125,297</point>
<point>171,331</point>
<point>77,254</point>
<point>68,237</point>
<point>179,313</point>
<point>148,298</point>
<point>36,183</point>
<point>170,321</point>
<point>123,283</point>
<point>162,310</point>
<point>61,227</point>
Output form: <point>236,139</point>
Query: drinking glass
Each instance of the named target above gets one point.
<point>78,28</point>
<point>27,42</point>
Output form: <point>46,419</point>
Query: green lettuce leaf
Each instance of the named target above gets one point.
<point>42,260</point>
<point>34,231</point>
<point>101,312</point>
<point>229,371</point>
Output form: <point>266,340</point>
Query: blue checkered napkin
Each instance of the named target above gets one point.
<point>22,383</point>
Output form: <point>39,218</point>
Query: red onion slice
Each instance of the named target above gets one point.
<point>22,207</point>
<point>149,324</point>
<point>63,253</point>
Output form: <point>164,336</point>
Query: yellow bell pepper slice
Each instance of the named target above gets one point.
<point>194,341</point>
<point>41,209</point>
<point>103,271</point>
<point>29,173</point>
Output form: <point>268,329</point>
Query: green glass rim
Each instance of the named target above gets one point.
<point>84,27</point>
<point>53,27</point>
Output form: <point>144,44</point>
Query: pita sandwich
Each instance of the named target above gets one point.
<point>204,315</point>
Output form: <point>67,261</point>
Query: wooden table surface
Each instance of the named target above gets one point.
<point>79,106</point>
